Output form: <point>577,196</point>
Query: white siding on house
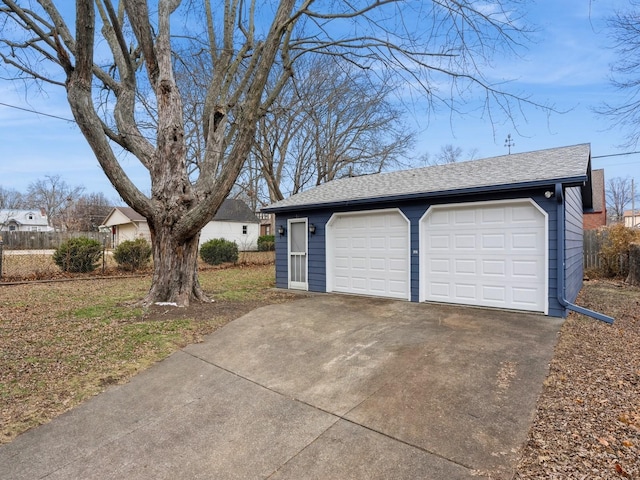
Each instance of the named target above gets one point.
<point>232,231</point>
<point>13,220</point>
<point>631,220</point>
<point>131,231</point>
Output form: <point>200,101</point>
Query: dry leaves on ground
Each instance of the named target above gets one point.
<point>587,424</point>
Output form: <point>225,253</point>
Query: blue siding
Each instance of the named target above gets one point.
<point>573,242</point>
<point>551,207</point>
<point>414,210</point>
<point>281,254</point>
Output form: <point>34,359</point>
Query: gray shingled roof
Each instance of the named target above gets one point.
<point>234,210</point>
<point>564,164</point>
<point>131,214</point>
<point>231,210</point>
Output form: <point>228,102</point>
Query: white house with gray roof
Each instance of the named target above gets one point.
<point>234,221</point>
<point>502,232</point>
<point>29,220</point>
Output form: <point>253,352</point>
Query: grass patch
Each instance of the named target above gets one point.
<point>63,342</point>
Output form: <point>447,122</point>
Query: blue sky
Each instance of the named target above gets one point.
<point>567,65</point>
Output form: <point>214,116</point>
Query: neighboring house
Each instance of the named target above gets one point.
<point>596,217</point>
<point>126,224</point>
<point>34,220</point>
<point>266,223</point>
<point>632,218</point>
<point>502,232</point>
<point>234,221</point>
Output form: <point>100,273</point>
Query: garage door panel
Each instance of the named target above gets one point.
<point>465,266</point>
<point>464,217</point>
<point>526,269</point>
<point>379,252</point>
<point>494,293</point>
<point>493,241</point>
<point>464,241</point>
<point>465,291</point>
<point>440,217</point>
<point>528,241</point>
<point>379,264</point>
<point>493,267</point>
<point>524,214</point>
<point>398,265</point>
<point>525,296</point>
<point>439,242</point>
<point>492,216</point>
<point>497,260</point>
<point>438,265</point>
<point>440,290</point>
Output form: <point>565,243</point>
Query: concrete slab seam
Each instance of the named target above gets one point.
<point>337,417</point>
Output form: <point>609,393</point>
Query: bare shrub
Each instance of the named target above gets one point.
<point>614,253</point>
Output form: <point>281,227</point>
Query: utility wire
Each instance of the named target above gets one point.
<point>36,112</point>
<point>614,155</point>
<point>73,121</point>
<point>50,115</point>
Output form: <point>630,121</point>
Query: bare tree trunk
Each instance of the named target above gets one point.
<point>175,273</point>
<point>634,264</point>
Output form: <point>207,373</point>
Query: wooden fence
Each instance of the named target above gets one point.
<point>47,240</point>
<point>591,252</point>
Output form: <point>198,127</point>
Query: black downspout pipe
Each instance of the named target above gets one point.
<point>561,265</point>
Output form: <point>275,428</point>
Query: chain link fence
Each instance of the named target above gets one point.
<point>20,265</point>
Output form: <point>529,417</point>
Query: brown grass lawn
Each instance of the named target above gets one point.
<point>62,342</point>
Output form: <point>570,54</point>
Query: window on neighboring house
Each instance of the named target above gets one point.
<point>34,229</point>
<point>12,228</point>
<point>30,216</point>
<point>244,229</point>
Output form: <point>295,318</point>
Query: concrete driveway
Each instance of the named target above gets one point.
<point>325,387</point>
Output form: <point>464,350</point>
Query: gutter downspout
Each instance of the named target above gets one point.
<point>561,264</point>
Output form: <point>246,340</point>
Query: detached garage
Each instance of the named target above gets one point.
<point>502,232</point>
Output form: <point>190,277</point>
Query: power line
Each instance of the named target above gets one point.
<point>614,155</point>
<point>54,116</point>
<point>37,112</point>
<point>507,141</point>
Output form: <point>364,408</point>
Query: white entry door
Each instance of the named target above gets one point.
<point>298,254</point>
<point>490,254</point>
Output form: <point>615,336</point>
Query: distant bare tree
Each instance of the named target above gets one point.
<point>619,195</point>
<point>448,154</point>
<point>55,197</point>
<point>87,212</point>
<point>11,199</point>
<point>332,123</point>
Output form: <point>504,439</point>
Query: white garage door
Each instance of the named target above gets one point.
<point>368,254</point>
<point>485,254</point>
